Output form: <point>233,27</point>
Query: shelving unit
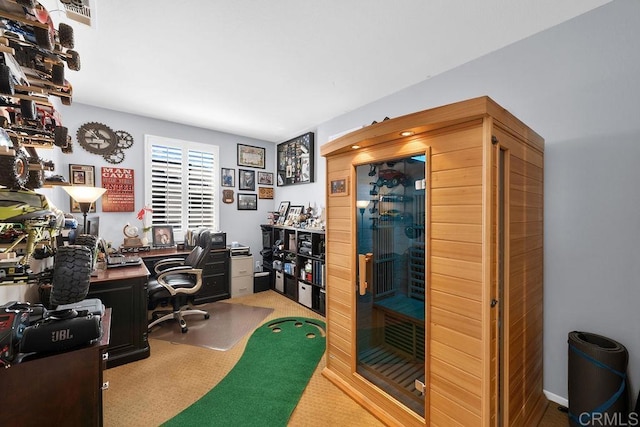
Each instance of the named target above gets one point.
<point>295,259</point>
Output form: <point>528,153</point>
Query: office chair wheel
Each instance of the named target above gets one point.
<point>184,329</point>
<point>206,316</point>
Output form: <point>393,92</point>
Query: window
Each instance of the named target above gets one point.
<point>181,181</point>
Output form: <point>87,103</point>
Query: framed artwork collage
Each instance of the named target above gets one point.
<point>251,183</point>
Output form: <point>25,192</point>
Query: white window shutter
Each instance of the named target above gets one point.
<point>181,181</point>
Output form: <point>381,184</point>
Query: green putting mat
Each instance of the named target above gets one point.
<point>264,387</point>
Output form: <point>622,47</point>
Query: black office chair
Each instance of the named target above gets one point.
<point>176,281</point>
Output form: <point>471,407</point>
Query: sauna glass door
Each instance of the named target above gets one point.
<point>390,307</point>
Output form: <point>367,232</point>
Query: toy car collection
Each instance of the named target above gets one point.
<point>33,56</point>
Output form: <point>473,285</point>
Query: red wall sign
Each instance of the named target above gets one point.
<point>119,184</point>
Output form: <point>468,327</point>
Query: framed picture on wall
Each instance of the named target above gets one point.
<point>82,175</point>
<point>246,179</point>
<point>265,178</point>
<point>228,178</point>
<point>247,202</point>
<point>339,187</point>
<point>251,156</point>
<point>295,160</point>
<point>265,192</point>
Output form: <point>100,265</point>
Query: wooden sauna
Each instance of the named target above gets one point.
<point>434,256</point>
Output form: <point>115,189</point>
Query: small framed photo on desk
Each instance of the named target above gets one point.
<point>162,236</point>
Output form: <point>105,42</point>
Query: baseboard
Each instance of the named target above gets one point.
<point>557,399</point>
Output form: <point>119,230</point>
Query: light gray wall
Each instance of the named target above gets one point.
<point>240,226</point>
<point>577,85</point>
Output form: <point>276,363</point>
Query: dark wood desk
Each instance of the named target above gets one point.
<point>124,290</point>
<point>164,253</point>
<point>60,389</point>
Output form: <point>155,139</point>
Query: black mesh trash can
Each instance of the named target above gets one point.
<point>598,392</point>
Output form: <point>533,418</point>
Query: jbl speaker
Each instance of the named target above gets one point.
<point>53,333</point>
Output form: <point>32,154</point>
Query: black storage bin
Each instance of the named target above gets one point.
<point>322,299</point>
<point>598,389</point>
<point>291,286</point>
<point>261,281</point>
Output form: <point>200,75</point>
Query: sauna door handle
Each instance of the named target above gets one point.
<point>364,270</point>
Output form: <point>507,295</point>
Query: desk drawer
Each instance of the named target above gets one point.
<point>241,286</point>
<point>242,266</point>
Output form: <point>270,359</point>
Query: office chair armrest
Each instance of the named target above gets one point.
<point>197,272</point>
<point>163,264</point>
<point>178,269</point>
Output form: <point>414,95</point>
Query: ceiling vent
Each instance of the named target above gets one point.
<point>82,11</point>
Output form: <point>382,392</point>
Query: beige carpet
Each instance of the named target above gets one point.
<point>226,325</point>
<point>150,391</point>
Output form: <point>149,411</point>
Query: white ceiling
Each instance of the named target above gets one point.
<point>273,69</point>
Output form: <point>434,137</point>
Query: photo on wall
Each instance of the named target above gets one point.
<point>246,179</point>
<point>247,202</point>
<point>228,177</point>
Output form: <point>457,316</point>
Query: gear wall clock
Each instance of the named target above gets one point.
<point>98,138</point>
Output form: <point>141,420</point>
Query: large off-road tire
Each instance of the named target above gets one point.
<point>65,34</point>
<point>6,82</point>
<point>15,170</point>
<point>90,242</point>
<point>35,180</point>
<point>87,240</point>
<point>28,109</point>
<point>60,134</point>
<point>71,274</point>
<point>73,60</point>
<point>36,174</point>
<point>57,74</point>
<point>27,3</point>
<point>43,38</point>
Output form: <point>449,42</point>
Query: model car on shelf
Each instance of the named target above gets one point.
<point>42,222</point>
<point>42,62</point>
<point>35,125</point>
<point>391,178</point>
<point>34,56</point>
<point>12,75</point>
<point>20,165</point>
<point>9,233</point>
<point>33,21</point>
<point>395,216</point>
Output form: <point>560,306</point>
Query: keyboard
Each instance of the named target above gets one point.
<point>123,260</point>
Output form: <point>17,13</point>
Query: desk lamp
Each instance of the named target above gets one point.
<point>85,196</point>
